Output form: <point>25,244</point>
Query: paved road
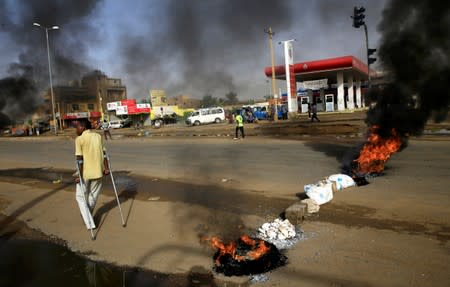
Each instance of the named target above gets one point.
<point>392,232</point>
<point>280,168</point>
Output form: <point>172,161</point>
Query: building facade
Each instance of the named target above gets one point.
<point>86,99</point>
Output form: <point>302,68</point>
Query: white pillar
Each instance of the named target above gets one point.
<point>340,91</point>
<point>351,102</point>
<point>291,84</point>
<point>358,94</point>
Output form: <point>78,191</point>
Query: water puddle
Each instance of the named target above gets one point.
<point>42,263</point>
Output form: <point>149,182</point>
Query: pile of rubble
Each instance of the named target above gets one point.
<point>280,233</point>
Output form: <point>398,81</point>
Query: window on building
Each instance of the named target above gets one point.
<point>90,106</point>
<point>75,107</point>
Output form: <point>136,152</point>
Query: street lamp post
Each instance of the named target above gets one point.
<point>50,71</point>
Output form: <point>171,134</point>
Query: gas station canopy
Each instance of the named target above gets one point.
<point>324,69</point>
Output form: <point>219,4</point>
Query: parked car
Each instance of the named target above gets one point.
<point>206,116</point>
<point>126,123</point>
<point>117,124</point>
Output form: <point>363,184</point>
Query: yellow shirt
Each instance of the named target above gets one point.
<point>239,121</point>
<point>90,146</point>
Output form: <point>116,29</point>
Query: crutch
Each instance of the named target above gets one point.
<point>114,186</point>
<point>83,188</point>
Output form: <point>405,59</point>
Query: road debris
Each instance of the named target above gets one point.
<point>280,233</point>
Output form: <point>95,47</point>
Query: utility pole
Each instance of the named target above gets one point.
<point>272,57</point>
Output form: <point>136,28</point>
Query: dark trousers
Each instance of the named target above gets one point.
<point>314,116</point>
<point>242,131</point>
<point>106,133</point>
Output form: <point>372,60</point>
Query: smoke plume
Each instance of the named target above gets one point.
<point>16,97</point>
<point>201,37</point>
<point>415,51</point>
<point>31,68</point>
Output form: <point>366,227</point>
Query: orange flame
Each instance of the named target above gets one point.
<point>259,248</point>
<point>376,151</point>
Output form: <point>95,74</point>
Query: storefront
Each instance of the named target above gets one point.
<point>70,118</point>
<point>342,77</point>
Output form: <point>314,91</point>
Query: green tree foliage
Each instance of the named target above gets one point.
<point>209,101</point>
<point>231,98</point>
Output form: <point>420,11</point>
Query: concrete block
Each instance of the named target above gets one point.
<point>296,213</point>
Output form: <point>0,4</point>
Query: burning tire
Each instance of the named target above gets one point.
<point>247,256</point>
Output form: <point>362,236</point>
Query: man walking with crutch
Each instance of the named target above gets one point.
<point>92,164</point>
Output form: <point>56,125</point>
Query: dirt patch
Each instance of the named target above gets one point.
<point>361,216</point>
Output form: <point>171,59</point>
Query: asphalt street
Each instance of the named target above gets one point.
<point>392,232</point>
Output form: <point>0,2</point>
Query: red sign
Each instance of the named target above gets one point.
<point>128,103</point>
<point>139,109</point>
<point>81,115</point>
<point>129,107</point>
<point>293,82</point>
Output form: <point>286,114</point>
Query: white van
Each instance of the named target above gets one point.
<point>206,116</point>
<point>118,124</point>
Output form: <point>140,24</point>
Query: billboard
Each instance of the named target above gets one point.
<point>112,106</point>
<point>128,107</point>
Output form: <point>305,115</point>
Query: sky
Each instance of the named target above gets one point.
<point>191,47</point>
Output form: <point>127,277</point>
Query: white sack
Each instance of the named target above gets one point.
<point>321,192</point>
<point>342,181</point>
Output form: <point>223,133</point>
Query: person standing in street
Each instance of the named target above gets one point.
<point>314,112</point>
<point>91,159</point>
<point>284,112</point>
<point>105,128</point>
<point>239,125</point>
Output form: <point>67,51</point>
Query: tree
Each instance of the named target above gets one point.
<point>208,101</point>
<point>267,97</point>
<point>251,102</point>
<point>231,98</point>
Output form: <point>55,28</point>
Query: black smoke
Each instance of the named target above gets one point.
<point>415,52</point>
<point>201,37</point>
<point>16,98</point>
<point>68,47</point>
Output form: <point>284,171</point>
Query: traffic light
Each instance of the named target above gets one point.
<point>369,59</point>
<point>358,16</point>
